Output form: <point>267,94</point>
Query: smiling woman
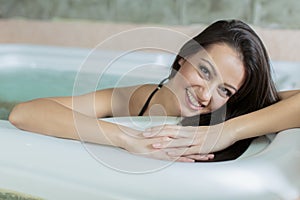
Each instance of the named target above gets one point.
<point>208,79</point>
<point>218,79</point>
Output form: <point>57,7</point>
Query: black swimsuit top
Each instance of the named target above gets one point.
<point>159,86</point>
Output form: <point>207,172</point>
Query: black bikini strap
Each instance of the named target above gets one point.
<point>159,86</point>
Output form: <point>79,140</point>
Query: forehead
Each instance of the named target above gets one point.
<point>226,62</point>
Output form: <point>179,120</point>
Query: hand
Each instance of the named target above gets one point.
<point>134,142</point>
<point>192,142</point>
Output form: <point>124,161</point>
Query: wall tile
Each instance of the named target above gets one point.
<point>70,9</point>
<point>277,13</point>
<point>149,11</point>
<point>203,11</point>
<point>26,8</point>
<point>80,9</point>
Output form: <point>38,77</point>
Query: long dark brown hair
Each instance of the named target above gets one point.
<point>258,89</point>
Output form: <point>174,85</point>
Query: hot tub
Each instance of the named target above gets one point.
<point>52,168</point>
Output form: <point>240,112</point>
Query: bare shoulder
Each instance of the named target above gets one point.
<point>122,100</point>
<point>127,101</point>
<point>288,93</point>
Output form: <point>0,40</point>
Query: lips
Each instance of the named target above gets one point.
<point>192,101</point>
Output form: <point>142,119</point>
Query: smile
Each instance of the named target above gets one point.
<point>192,101</point>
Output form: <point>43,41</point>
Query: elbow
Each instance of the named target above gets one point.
<point>15,116</point>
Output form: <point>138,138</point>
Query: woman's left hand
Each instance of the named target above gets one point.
<point>192,142</point>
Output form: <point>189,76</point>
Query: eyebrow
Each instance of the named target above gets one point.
<point>215,73</point>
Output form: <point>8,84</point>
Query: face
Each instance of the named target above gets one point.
<point>207,79</point>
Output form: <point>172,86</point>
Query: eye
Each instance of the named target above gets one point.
<point>205,72</point>
<point>225,92</point>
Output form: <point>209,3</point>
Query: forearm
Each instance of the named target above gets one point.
<point>50,118</point>
<point>280,116</point>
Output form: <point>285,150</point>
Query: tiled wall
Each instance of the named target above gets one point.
<point>265,13</point>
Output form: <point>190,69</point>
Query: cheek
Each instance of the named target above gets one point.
<point>188,74</point>
<point>217,102</point>
<point>182,77</point>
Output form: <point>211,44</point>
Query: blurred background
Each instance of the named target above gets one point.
<point>86,23</point>
<point>265,13</point>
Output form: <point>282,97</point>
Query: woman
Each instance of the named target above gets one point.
<point>220,83</point>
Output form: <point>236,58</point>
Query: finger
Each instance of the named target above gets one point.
<point>175,143</point>
<point>185,151</point>
<point>158,128</point>
<point>185,159</point>
<point>167,130</point>
<point>177,152</point>
<point>160,154</point>
<point>200,157</point>
<point>162,130</point>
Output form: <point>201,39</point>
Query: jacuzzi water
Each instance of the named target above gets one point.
<point>23,84</point>
<point>36,83</point>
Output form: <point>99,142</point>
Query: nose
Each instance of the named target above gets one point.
<point>204,94</point>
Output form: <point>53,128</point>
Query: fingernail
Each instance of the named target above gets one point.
<point>156,145</point>
<point>167,139</point>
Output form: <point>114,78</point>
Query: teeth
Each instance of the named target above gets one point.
<point>192,99</point>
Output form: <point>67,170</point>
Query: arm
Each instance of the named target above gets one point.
<point>74,119</point>
<point>281,116</point>
<point>56,117</point>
